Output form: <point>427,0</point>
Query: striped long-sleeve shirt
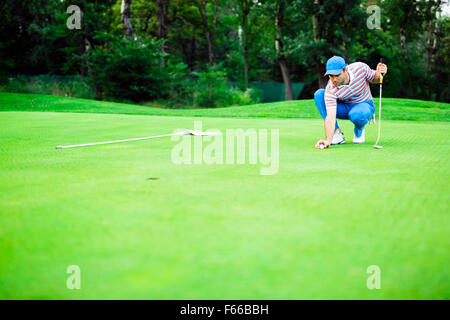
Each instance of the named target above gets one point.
<point>356,91</point>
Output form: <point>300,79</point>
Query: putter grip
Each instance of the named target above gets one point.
<point>381,78</point>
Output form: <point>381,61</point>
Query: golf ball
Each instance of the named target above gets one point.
<point>322,146</point>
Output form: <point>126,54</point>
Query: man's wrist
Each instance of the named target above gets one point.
<point>376,78</point>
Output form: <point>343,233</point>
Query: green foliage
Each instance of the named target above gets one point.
<point>34,39</point>
<point>181,93</point>
<point>441,65</point>
<point>129,69</point>
<point>246,97</point>
<point>213,91</point>
<point>15,85</point>
<point>64,86</point>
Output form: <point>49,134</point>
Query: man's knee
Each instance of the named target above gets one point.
<point>360,116</point>
<point>358,120</point>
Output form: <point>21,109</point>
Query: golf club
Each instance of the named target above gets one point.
<point>377,146</point>
<point>181,133</point>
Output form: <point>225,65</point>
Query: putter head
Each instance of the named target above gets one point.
<point>377,146</point>
<point>200,133</point>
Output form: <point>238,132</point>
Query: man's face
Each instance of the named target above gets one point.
<point>339,79</point>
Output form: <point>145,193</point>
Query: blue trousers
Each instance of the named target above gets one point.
<point>358,113</point>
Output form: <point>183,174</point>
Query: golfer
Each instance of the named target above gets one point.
<point>347,96</point>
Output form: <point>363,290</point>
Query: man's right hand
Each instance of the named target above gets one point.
<point>325,143</point>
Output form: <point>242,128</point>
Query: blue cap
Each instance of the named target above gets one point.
<point>335,65</point>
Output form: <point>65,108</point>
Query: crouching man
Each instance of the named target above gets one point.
<point>346,96</point>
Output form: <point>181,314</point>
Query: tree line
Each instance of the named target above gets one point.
<point>239,41</point>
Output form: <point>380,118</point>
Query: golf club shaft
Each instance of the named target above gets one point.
<point>379,112</point>
<point>379,108</point>
<point>117,141</point>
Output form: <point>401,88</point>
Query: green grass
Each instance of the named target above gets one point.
<point>220,231</point>
<point>393,109</point>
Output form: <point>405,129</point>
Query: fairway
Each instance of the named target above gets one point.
<point>142,227</point>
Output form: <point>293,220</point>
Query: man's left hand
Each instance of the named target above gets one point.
<point>382,68</point>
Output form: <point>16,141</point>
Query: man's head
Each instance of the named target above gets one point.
<point>340,79</point>
<point>336,70</point>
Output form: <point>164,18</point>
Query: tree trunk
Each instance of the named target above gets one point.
<point>215,21</point>
<point>289,94</point>
<point>192,55</point>
<point>431,34</point>
<point>209,35</point>
<point>245,13</point>
<point>434,47</point>
<point>81,51</point>
<point>403,44</point>
<point>163,11</point>
<point>125,14</point>
<point>92,74</point>
<point>319,69</point>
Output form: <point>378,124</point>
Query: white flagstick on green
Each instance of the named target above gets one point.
<point>376,146</point>
<point>181,133</point>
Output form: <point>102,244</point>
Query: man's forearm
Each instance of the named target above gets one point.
<point>376,79</point>
<point>329,128</point>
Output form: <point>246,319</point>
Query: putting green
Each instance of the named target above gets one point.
<point>140,226</point>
